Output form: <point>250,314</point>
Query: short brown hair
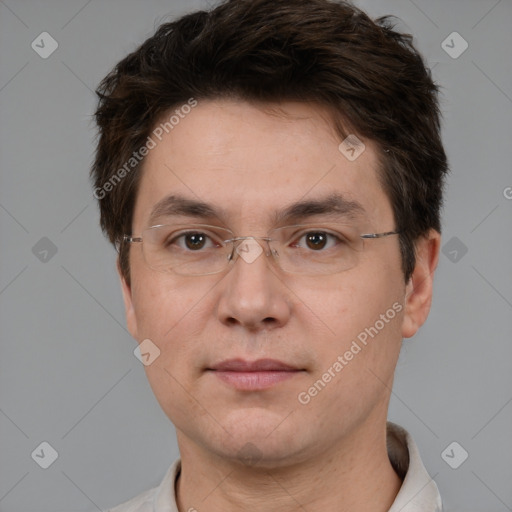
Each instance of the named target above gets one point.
<point>331,53</point>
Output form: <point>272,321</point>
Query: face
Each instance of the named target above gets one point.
<point>340,334</point>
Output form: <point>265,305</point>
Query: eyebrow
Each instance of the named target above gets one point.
<point>333,205</point>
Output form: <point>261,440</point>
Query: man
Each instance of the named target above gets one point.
<point>271,173</point>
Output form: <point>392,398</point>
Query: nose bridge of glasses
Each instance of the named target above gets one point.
<point>249,248</point>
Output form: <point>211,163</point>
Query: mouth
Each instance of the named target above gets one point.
<point>253,376</point>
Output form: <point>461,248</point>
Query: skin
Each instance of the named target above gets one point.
<point>331,453</point>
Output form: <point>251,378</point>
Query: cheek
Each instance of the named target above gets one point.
<point>158,302</point>
<point>342,306</point>
<point>354,366</point>
<point>365,309</point>
<point>167,315</point>
<point>172,315</point>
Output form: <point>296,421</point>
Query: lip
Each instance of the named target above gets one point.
<point>253,375</point>
<point>260,365</point>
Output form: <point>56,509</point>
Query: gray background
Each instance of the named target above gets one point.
<point>68,375</point>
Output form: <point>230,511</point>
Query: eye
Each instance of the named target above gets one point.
<point>193,240</point>
<point>318,240</point>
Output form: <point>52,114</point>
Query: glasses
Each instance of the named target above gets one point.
<point>201,249</point>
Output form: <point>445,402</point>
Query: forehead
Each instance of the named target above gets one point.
<point>253,163</point>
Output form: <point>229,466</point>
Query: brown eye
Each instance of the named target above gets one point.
<point>191,241</point>
<point>316,240</point>
<point>195,240</point>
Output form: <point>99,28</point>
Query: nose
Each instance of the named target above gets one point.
<point>253,294</point>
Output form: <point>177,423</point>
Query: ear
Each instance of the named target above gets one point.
<point>131,320</point>
<point>418,292</point>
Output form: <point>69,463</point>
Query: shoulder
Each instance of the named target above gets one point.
<point>140,503</point>
<point>161,498</point>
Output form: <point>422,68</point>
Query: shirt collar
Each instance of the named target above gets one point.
<point>419,492</point>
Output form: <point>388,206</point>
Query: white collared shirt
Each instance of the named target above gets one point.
<point>419,492</point>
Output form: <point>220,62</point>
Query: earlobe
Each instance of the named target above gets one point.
<point>131,320</point>
<point>418,296</point>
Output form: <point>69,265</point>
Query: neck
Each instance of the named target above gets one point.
<point>355,475</point>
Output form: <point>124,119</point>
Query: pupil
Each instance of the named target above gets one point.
<point>315,238</point>
<point>198,237</point>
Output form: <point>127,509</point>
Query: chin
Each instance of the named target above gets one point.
<point>260,438</point>
<point>261,454</point>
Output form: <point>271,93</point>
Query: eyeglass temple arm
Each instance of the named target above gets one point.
<point>379,235</point>
<point>130,239</point>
